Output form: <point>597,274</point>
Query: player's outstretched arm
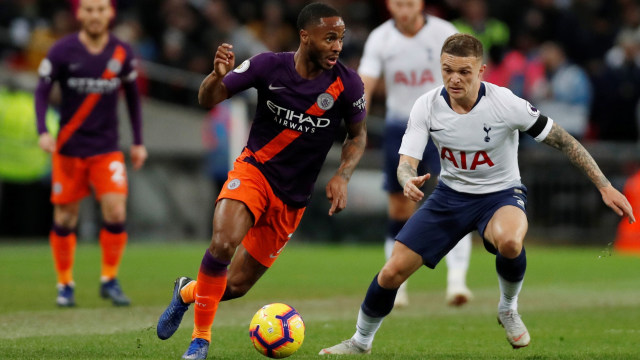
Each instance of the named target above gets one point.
<point>560,139</point>
<point>407,174</point>
<point>352,151</point>
<point>212,90</point>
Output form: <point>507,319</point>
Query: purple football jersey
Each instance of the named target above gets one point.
<point>90,85</point>
<point>296,119</point>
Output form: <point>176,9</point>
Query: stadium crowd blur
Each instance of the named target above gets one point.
<point>577,60</point>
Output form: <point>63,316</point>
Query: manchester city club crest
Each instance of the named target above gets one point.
<point>114,66</point>
<point>325,101</point>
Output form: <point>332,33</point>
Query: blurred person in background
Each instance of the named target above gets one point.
<point>90,66</point>
<point>43,37</point>
<point>614,116</point>
<point>304,98</point>
<point>216,142</point>
<point>272,29</point>
<point>493,33</point>
<point>519,69</point>
<point>25,184</point>
<point>411,69</point>
<point>222,26</point>
<point>567,94</point>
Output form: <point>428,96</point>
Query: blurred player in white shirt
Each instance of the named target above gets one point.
<point>411,67</point>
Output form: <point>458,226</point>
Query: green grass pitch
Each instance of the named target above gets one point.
<point>578,303</point>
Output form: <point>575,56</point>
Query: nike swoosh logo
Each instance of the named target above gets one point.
<point>519,337</point>
<point>434,130</point>
<point>271,87</point>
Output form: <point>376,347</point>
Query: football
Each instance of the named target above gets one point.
<point>276,330</point>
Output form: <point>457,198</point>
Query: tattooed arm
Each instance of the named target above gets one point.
<point>407,174</point>
<point>580,157</point>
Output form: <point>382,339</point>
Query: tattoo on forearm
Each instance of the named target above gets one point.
<point>405,172</point>
<point>577,154</point>
<point>352,151</point>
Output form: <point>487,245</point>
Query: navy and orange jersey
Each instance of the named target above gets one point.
<point>90,85</point>
<point>296,119</point>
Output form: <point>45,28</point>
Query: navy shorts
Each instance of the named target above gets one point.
<point>447,215</point>
<point>393,133</point>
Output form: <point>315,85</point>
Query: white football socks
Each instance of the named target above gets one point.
<point>458,262</point>
<point>509,294</point>
<point>366,329</point>
<point>388,247</point>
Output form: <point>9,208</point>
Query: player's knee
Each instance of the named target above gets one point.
<point>65,218</point>
<point>222,248</point>
<point>67,222</point>
<point>390,277</point>
<point>510,247</point>
<point>115,214</point>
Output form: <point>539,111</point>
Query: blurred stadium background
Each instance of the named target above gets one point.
<point>577,61</point>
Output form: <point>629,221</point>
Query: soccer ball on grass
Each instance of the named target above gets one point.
<point>276,330</point>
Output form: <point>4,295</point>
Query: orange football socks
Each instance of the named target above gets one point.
<point>210,286</point>
<point>113,239</point>
<point>63,247</point>
<point>188,292</point>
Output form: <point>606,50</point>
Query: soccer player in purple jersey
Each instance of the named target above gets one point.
<point>302,99</point>
<point>90,66</point>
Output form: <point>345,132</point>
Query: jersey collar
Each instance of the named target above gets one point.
<point>481,92</point>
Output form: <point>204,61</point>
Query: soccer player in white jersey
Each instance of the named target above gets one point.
<point>411,69</point>
<point>474,125</point>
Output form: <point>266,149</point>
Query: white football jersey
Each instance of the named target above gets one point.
<point>411,65</point>
<point>478,150</point>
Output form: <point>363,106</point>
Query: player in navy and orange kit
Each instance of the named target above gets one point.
<point>302,99</point>
<point>90,66</point>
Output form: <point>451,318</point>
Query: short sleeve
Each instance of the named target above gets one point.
<point>518,113</point>
<point>371,61</point>
<point>249,73</point>
<point>416,136</point>
<point>354,102</point>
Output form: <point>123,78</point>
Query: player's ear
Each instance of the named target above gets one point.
<point>483,67</point>
<point>304,36</point>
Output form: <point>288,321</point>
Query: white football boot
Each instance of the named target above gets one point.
<point>402,296</point>
<point>517,333</point>
<point>347,347</point>
<point>458,295</point>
